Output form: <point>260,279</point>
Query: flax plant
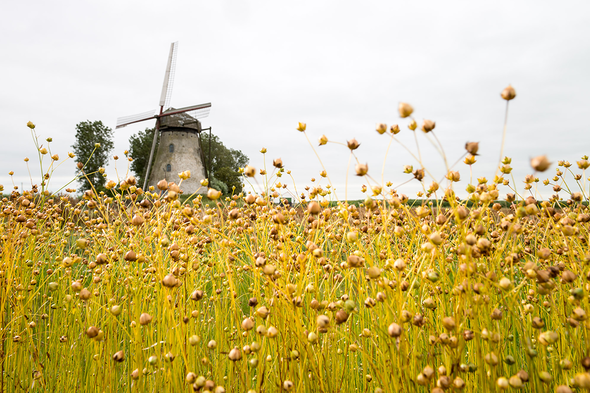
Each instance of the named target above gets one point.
<point>133,290</point>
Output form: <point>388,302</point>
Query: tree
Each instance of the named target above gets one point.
<point>140,145</point>
<point>92,156</point>
<point>225,164</point>
<point>224,173</point>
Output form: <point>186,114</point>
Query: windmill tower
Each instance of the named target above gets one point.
<point>179,129</point>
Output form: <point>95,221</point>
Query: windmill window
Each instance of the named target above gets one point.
<point>171,148</point>
<point>168,167</point>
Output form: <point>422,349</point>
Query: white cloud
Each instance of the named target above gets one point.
<point>339,66</point>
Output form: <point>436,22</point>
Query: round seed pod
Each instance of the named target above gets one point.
<point>209,385</point>
<point>162,185</point>
<point>394,330</point>
<point>370,302</point>
<point>119,356</point>
<point>191,377</point>
<point>523,375</point>
<point>505,283</point>
<point>515,382</point>
<point>472,148</point>
<point>491,359</point>
<point>247,324</point>
<point>373,272</point>
<point>341,317</point>
<point>459,383</point>
<point>496,314</point>
<point>502,383</point>
<point>92,332</point>
<point>579,314</point>
<point>312,337</point>
<point>468,335</point>
<point>85,294</point>
<point>566,364</point>
<point>422,380</point>
<point>101,259</point>
<point>563,389</point>
<point>169,281</point>
<point>428,372</point>
<point>361,169</point>
<point>272,332</point>
<point>568,276</point>
<point>540,163</point>
<point>399,265</point>
<point>137,220</point>
<point>545,376</point>
<point>323,321</point>
<point>314,208</point>
<point>263,312</point>
<point>145,319</point>
<point>353,144</point>
<point>269,270</point>
<point>582,380</point>
<point>261,330</point>
<point>250,199</point>
<point>418,320</point>
<point>405,109</point>
<point>76,286</point>
<point>508,93</point>
<point>428,125</point>
<point>443,382</point>
<point>197,295</point>
<point>277,163</point>
<point>235,354</point>
<point>448,323</point>
<point>200,382</point>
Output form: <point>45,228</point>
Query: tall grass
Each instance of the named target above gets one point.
<point>136,291</point>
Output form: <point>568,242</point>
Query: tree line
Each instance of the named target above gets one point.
<point>94,143</point>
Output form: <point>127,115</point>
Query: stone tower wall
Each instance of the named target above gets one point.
<point>186,156</point>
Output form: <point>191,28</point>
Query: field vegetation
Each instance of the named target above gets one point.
<point>137,290</point>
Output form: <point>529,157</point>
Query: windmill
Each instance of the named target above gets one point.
<point>179,129</point>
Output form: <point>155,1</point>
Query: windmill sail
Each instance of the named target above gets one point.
<point>200,113</point>
<point>169,76</point>
<point>126,120</point>
<point>201,110</point>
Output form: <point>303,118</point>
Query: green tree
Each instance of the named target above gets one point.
<point>224,164</point>
<point>140,145</point>
<point>92,156</point>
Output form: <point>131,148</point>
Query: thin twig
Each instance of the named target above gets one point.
<point>503,139</point>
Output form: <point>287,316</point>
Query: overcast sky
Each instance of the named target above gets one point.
<point>339,66</point>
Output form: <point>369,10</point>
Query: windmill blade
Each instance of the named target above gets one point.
<point>169,76</point>
<point>126,120</point>
<point>202,110</point>
<point>200,113</point>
